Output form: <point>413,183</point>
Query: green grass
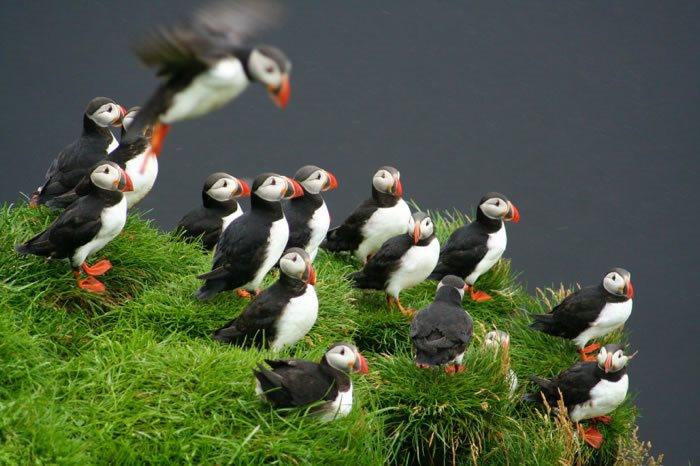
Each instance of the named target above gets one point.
<point>132,377</point>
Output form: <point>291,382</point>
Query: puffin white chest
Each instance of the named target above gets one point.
<point>612,316</point>
<point>415,266</point>
<point>297,318</point>
<point>210,90</point>
<point>340,407</point>
<point>319,223</point>
<point>276,241</point>
<point>143,182</point>
<point>605,397</point>
<point>496,245</point>
<point>112,145</point>
<point>113,220</point>
<point>226,221</point>
<point>384,223</point>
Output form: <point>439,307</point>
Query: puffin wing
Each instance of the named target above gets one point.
<point>378,269</point>
<point>441,332</point>
<point>200,222</point>
<point>348,235</point>
<point>464,249</point>
<point>576,382</point>
<point>295,382</point>
<point>573,315</point>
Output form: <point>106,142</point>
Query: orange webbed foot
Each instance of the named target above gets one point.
<point>404,311</point>
<point>243,293</point>
<point>479,296</point>
<point>423,366</point>
<point>92,285</point>
<point>100,268</point>
<point>602,419</point>
<point>591,436</point>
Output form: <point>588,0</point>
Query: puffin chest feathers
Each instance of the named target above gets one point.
<point>383,224</point>
<point>496,245</point>
<point>612,316</point>
<point>113,220</point>
<point>113,144</point>
<point>276,241</point>
<point>414,267</point>
<point>226,221</point>
<point>340,407</point>
<point>143,182</point>
<point>210,90</point>
<point>318,226</point>
<point>297,318</point>
<point>605,396</point>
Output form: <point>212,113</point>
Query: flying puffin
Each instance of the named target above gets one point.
<point>253,243</point>
<point>473,249</point>
<point>499,341</point>
<point>297,382</point>
<point>219,208</point>
<point>590,312</point>
<point>590,390</point>
<point>205,63</point>
<point>441,332</point>
<point>376,220</point>
<point>282,314</point>
<point>80,156</point>
<point>308,215</point>
<point>402,262</point>
<point>87,225</point>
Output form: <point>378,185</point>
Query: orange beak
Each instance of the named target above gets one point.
<point>280,94</point>
<point>506,344</point>
<point>244,190</point>
<point>416,234</point>
<point>294,187</point>
<point>312,275</point>
<point>608,362</point>
<point>125,184</point>
<point>630,290</point>
<point>364,368</point>
<point>397,188</point>
<point>332,182</point>
<point>122,113</point>
<point>513,214</point>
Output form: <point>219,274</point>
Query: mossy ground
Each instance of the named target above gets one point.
<point>132,377</point>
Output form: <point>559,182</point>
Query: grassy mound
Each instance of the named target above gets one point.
<point>132,376</point>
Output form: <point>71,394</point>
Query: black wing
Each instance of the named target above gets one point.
<point>348,236</point>
<point>440,332</point>
<point>378,269</point>
<point>295,382</point>
<point>575,384</point>
<point>201,222</point>
<point>463,251</point>
<point>573,315</point>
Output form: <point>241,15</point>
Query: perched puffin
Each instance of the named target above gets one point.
<point>219,208</point>
<point>254,242</point>
<point>87,225</point>
<point>297,382</point>
<point>205,63</point>
<point>308,215</point>
<point>376,220</point>
<point>282,314</point>
<point>473,249</point>
<point>402,262</point>
<point>590,312</point>
<point>80,156</point>
<point>499,341</point>
<point>590,390</point>
<point>441,332</point>
<point>134,156</point>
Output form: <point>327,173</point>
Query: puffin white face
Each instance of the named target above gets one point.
<point>129,118</point>
<point>495,207</point>
<point>225,189</point>
<point>110,177</point>
<point>296,263</point>
<point>269,67</point>
<point>611,358</point>
<point>273,189</point>
<point>420,227</point>
<point>617,282</point>
<point>107,115</point>
<point>455,282</point>
<point>496,339</point>
<point>345,357</point>
<point>385,182</point>
<point>319,180</point>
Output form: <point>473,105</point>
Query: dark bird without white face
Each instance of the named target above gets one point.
<point>590,312</point>
<point>253,243</point>
<point>473,249</point>
<point>206,61</point>
<point>87,225</point>
<point>80,156</point>
<point>402,262</point>
<point>590,390</point>
<point>308,215</point>
<point>282,314</point>
<point>297,382</point>
<point>379,218</point>
<point>219,208</point>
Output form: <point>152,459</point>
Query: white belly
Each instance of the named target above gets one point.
<point>496,245</point>
<point>384,223</point>
<point>226,221</point>
<point>605,397</point>
<point>340,407</point>
<point>113,221</point>
<point>143,182</point>
<point>112,145</point>
<point>210,90</point>
<point>414,268</point>
<point>297,319</point>
<point>319,224</point>
<point>612,316</point>
<point>279,234</point>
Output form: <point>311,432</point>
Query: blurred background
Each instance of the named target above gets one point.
<point>585,114</point>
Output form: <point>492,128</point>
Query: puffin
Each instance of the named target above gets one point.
<point>135,156</point>
<point>219,209</point>
<point>87,225</point>
<point>293,383</point>
<point>377,219</point>
<point>590,312</point>
<point>402,262</point>
<point>499,342</point>
<point>442,331</point>
<point>308,215</point>
<point>589,390</point>
<point>80,156</point>
<point>473,249</point>
<point>205,62</point>
<point>283,313</point>
<point>254,242</point>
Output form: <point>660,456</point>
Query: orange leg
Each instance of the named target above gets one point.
<point>588,349</point>
<point>247,294</point>
<point>423,366</point>
<point>454,368</point>
<point>33,201</point>
<point>160,130</point>
<point>404,311</point>
<point>591,436</point>
<point>602,419</point>
<point>478,296</point>
<point>100,268</point>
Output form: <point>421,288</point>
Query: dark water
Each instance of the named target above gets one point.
<point>584,113</point>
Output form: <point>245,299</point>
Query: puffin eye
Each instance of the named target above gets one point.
<point>318,177</point>
<point>342,352</point>
<point>109,109</point>
<point>498,203</point>
<point>269,69</point>
<point>273,182</point>
<point>106,170</point>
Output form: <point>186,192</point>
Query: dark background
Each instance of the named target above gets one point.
<point>584,113</point>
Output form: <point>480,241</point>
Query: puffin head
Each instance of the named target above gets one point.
<point>496,206</point>
<point>387,180</point>
<point>497,339</point>
<point>296,263</point>
<point>454,282</point>
<point>420,226</point>
<point>105,112</point>
<point>345,357</point>
<point>129,118</point>
<point>315,180</point>
<point>223,187</point>
<point>272,187</point>
<point>109,176</point>
<point>611,358</point>
<point>269,65</point>
<point>617,282</point>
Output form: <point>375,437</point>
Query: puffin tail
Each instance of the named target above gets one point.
<point>438,272</point>
<point>542,322</point>
<point>229,334</point>
<point>334,240</point>
<point>210,289</point>
<point>62,201</point>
